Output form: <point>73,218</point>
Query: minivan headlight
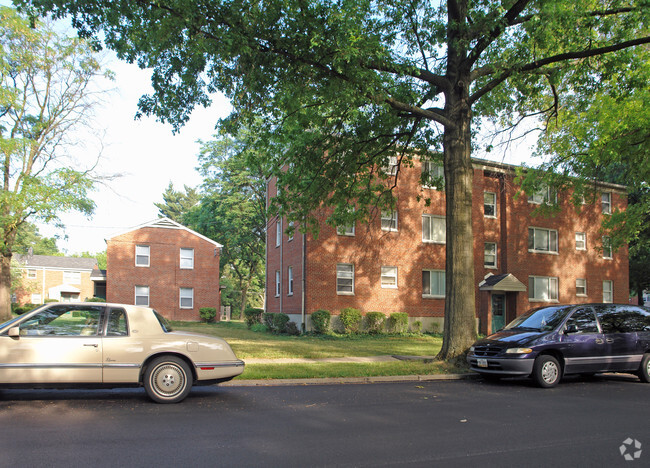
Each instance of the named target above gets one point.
<point>471,349</point>
<point>519,351</point>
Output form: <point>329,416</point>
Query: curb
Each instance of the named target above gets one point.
<point>348,380</point>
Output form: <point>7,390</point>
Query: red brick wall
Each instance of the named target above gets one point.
<point>164,275</point>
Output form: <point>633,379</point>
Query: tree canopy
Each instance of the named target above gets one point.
<point>177,204</point>
<point>342,88</point>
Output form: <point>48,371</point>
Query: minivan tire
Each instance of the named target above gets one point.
<point>547,371</point>
<point>644,370</point>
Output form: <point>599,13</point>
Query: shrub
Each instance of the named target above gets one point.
<point>292,328</point>
<point>22,309</point>
<point>208,314</point>
<point>267,319</point>
<point>253,316</point>
<point>321,320</point>
<point>280,322</point>
<point>398,322</point>
<point>417,327</point>
<point>259,328</point>
<point>95,299</point>
<point>375,322</point>
<point>351,319</point>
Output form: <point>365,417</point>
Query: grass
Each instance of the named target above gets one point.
<point>248,344</point>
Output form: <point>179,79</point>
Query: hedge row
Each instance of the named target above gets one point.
<point>375,322</point>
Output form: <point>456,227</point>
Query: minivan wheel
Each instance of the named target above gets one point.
<point>546,371</point>
<point>644,370</point>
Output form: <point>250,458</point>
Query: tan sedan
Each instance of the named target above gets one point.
<point>113,345</point>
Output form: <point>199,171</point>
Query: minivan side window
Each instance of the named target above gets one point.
<point>623,319</point>
<point>584,321</point>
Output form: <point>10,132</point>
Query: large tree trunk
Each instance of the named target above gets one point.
<point>5,287</point>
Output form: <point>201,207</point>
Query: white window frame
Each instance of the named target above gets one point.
<point>391,167</point>
<point>437,278</point>
<point>493,204</point>
<point>581,241</point>
<point>545,195</point>
<point>389,277</point>
<point>581,287</point>
<point>290,281</point>
<point>277,283</point>
<point>143,293</point>
<point>32,274</point>
<point>608,291</point>
<point>389,220</point>
<point>552,288</point>
<point>278,233</point>
<point>348,231</point>
<point>493,253</point>
<point>344,272</point>
<point>606,202</point>
<point>72,277</point>
<point>186,293</point>
<point>292,231</point>
<point>550,233</point>
<point>140,250</point>
<point>433,170</point>
<point>189,256</point>
<point>430,220</point>
<point>608,252</point>
<point>36,298</point>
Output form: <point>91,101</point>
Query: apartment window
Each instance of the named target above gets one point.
<point>542,240</point>
<point>434,229</point>
<point>346,230</point>
<point>490,205</point>
<point>542,288</point>
<point>72,277</point>
<point>607,203</point>
<point>389,277</point>
<point>391,167</point>
<point>292,231</point>
<point>36,299</point>
<point>31,274</point>
<point>608,291</point>
<point>545,194</point>
<point>581,241</point>
<point>389,220</point>
<point>142,255</point>
<point>490,255</point>
<point>581,287</point>
<point>433,283</point>
<point>290,280</point>
<point>278,233</point>
<point>187,259</point>
<point>344,278</point>
<point>607,247</point>
<point>142,296</point>
<point>433,175</point>
<point>186,298</point>
<point>277,283</point>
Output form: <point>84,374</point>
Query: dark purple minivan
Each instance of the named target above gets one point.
<point>549,342</point>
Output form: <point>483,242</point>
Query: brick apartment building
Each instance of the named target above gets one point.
<point>166,266</point>
<point>396,262</point>
<point>46,277</point>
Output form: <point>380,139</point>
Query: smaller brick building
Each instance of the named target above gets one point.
<point>166,266</point>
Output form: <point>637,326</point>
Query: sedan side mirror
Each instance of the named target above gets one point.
<point>14,332</point>
<point>571,329</point>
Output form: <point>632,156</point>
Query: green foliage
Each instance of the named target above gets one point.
<point>253,316</point>
<point>321,321</point>
<point>208,314</point>
<point>292,329</point>
<point>416,327</point>
<point>177,204</point>
<point>375,322</point>
<point>28,237</point>
<point>21,309</point>
<point>267,319</point>
<point>95,299</point>
<point>398,322</point>
<point>351,319</point>
<point>280,322</point>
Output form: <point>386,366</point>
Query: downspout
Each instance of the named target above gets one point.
<point>304,282</point>
<point>281,263</point>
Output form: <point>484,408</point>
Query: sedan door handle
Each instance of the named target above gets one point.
<point>94,345</point>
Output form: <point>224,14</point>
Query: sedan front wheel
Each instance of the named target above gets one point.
<point>168,379</point>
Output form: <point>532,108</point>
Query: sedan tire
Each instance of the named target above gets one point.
<point>644,370</point>
<point>168,379</point>
<point>547,371</point>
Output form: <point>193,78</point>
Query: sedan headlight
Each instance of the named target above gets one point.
<point>519,351</point>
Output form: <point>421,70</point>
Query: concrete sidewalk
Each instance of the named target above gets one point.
<point>341,359</point>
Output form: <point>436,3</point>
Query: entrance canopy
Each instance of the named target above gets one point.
<point>506,282</point>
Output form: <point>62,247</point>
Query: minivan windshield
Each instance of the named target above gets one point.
<point>541,319</point>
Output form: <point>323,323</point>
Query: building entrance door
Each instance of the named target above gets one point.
<point>498,312</point>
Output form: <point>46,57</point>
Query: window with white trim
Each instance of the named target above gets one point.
<point>278,233</point>
<point>489,204</point>
<point>187,259</point>
<point>389,277</point>
<point>391,167</point>
<point>72,277</point>
<point>434,229</point>
<point>608,291</point>
<point>433,283</point>
<point>607,247</point>
<point>277,283</point>
<point>389,220</point>
<point>290,281</point>
<point>490,255</point>
<point>581,241</point>
<point>581,287</point>
<point>542,240</point>
<point>142,254</point>
<point>36,299</point>
<point>345,278</point>
<point>292,231</point>
<point>433,175</point>
<point>606,199</point>
<point>142,296</point>
<point>346,230</point>
<point>542,288</point>
<point>186,298</point>
<point>31,274</point>
<point>545,195</point>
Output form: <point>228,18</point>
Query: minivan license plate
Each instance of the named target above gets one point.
<point>482,363</point>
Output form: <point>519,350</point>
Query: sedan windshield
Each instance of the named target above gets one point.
<point>542,319</point>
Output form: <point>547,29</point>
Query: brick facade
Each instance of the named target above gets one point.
<point>371,248</point>
<point>165,274</point>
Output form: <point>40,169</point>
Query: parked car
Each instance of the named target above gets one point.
<point>112,345</point>
<point>549,342</point>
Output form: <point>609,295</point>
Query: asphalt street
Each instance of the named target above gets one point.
<point>455,423</point>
